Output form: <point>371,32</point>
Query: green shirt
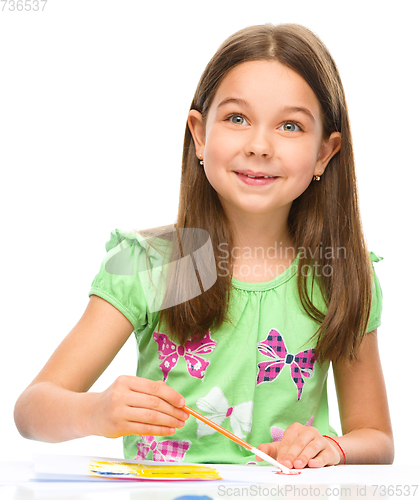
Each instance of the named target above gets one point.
<point>254,378</point>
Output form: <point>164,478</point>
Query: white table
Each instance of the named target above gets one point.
<point>340,483</point>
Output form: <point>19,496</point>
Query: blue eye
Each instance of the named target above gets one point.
<point>237,119</point>
<point>288,129</point>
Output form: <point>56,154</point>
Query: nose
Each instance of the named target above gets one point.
<point>259,143</point>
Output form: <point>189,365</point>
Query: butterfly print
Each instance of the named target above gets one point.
<point>274,347</point>
<point>170,352</point>
<point>163,451</point>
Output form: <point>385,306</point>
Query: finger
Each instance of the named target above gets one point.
<point>148,416</point>
<point>289,437</point>
<point>311,450</point>
<point>316,463</point>
<point>157,388</point>
<point>321,460</point>
<point>127,428</point>
<point>295,450</point>
<point>268,448</point>
<point>329,455</point>
<point>141,429</point>
<point>146,401</point>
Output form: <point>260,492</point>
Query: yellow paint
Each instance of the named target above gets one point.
<point>159,472</point>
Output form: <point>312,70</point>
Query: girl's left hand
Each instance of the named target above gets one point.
<point>302,446</point>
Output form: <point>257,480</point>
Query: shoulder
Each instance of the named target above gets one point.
<point>374,257</point>
<point>129,251</point>
<point>130,272</point>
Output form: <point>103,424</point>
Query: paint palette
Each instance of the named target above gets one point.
<point>127,470</point>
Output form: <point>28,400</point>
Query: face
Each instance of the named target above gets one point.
<point>252,129</point>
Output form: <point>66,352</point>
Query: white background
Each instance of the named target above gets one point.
<point>94,97</point>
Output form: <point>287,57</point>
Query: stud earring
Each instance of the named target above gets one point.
<point>316,178</point>
<point>201,161</point>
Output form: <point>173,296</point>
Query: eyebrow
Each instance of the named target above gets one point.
<point>286,109</point>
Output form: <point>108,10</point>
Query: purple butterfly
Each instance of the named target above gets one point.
<point>169,353</point>
<point>301,364</point>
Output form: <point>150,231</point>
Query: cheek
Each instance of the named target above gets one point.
<point>220,146</point>
<point>300,161</point>
<point>214,156</point>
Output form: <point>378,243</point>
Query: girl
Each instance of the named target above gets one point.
<point>244,333</point>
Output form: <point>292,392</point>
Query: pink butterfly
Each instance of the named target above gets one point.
<point>169,353</point>
<point>277,433</point>
<point>163,451</point>
<point>301,364</point>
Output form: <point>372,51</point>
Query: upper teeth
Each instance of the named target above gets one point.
<point>254,176</point>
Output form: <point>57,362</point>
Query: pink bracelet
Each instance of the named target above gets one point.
<point>336,442</point>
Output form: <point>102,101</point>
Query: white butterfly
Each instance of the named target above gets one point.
<point>217,405</point>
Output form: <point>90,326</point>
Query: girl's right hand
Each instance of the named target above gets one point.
<point>134,405</point>
<point>57,406</point>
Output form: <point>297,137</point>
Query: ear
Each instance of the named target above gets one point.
<point>328,149</point>
<point>198,131</point>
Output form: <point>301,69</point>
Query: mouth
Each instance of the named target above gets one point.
<point>256,175</point>
<point>256,180</point>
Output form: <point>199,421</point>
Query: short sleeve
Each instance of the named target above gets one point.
<point>118,281</point>
<point>376,308</point>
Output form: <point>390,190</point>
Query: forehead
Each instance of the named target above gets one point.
<point>268,83</point>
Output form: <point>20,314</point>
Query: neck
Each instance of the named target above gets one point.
<point>262,233</point>
<point>261,251</point>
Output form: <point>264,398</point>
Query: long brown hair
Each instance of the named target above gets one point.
<point>326,215</point>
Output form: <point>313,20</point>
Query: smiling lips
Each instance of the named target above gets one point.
<point>255,178</point>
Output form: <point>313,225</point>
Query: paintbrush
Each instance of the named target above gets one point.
<point>246,445</point>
